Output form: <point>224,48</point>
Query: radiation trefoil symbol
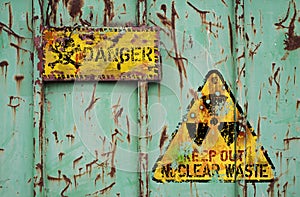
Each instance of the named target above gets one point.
<point>214,141</point>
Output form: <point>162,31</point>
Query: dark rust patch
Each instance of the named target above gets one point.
<point>3,66</point>
<point>55,136</point>
<point>74,8</point>
<point>60,156</point>
<point>70,137</point>
<point>18,79</point>
<point>292,42</point>
<point>297,104</point>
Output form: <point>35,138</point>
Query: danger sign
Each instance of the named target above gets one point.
<point>214,141</point>
<point>101,54</point>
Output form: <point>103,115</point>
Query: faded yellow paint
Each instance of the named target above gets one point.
<point>101,54</point>
<point>215,157</point>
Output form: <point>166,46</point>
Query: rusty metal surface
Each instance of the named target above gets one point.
<point>16,67</point>
<point>95,139</point>
<point>254,45</point>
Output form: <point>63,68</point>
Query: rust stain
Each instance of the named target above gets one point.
<point>10,31</point>
<point>75,162</point>
<point>98,177</point>
<point>258,127</point>
<point>52,178</point>
<point>55,136</point>
<point>14,101</point>
<point>89,166</point>
<point>70,136</point>
<point>230,35</point>
<point>297,104</point>
<point>254,51</point>
<point>292,42</point>
<point>288,140</point>
<point>178,59</point>
<point>117,115</point>
<point>18,79</point>
<point>108,12</point>
<point>18,48</point>
<point>220,61</point>
<point>201,12</point>
<point>27,22</point>
<point>295,75</point>
<point>68,183</point>
<point>124,7</point>
<point>163,138</point>
<point>193,93</point>
<point>112,164</point>
<point>128,129</point>
<point>10,15</point>
<point>60,156</point>
<point>93,101</point>
<point>52,8</point>
<point>74,7</point>
<point>141,5</point>
<point>102,191</point>
<point>4,64</point>
<point>223,1</point>
<point>48,106</point>
<point>65,2</point>
<point>253,25</point>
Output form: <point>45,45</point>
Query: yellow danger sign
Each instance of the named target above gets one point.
<point>214,142</point>
<point>101,54</point>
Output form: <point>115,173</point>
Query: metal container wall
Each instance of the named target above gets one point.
<point>105,138</point>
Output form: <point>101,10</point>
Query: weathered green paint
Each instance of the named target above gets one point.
<point>49,128</point>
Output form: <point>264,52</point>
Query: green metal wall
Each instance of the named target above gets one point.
<point>103,138</point>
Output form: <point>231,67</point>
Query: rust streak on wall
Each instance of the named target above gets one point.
<point>55,136</point>
<point>108,12</point>
<point>163,138</point>
<point>76,161</point>
<point>102,191</point>
<point>3,65</point>
<point>10,15</point>
<point>93,101</point>
<point>18,79</point>
<point>128,129</point>
<point>27,23</point>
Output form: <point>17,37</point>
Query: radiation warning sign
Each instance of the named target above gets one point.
<point>214,142</point>
<point>103,54</point>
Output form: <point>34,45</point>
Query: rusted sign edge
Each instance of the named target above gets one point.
<point>101,77</point>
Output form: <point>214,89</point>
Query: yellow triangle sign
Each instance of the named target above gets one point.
<point>214,142</point>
